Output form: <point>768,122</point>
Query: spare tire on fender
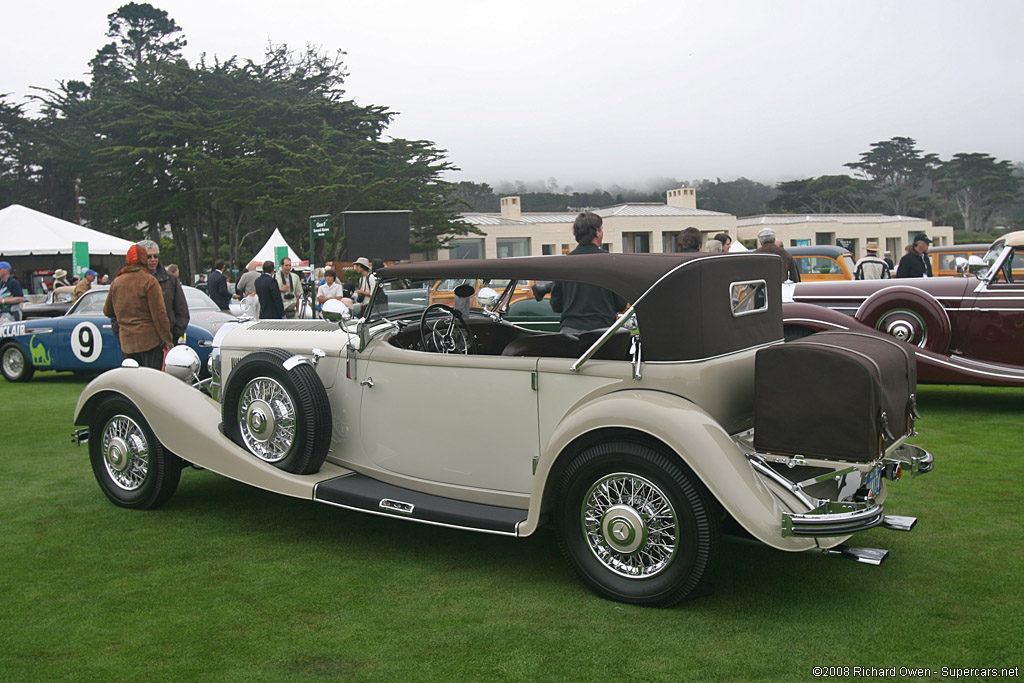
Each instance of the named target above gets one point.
<point>909,314</point>
<point>279,414</point>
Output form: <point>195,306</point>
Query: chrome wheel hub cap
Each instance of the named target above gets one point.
<point>905,325</point>
<point>623,528</point>
<point>630,525</point>
<point>125,452</point>
<point>266,417</point>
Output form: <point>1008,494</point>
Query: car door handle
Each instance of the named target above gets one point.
<point>368,382</point>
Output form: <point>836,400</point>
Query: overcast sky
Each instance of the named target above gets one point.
<point>599,92</point>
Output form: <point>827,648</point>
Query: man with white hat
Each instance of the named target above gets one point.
<point>766,238</point>
<point>870,267</point>
<point>367,280</point>
<point>60,278</point>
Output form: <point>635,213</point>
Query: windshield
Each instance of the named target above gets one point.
<point>90,304</point>
<point>398,299</point>
<point>198,301</point>
<point>990,258</point>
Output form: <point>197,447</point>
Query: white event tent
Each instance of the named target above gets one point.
<point>27,232</point>
<point>267,252</point>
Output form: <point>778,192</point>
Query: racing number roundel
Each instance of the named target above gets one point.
<point>86,342</point>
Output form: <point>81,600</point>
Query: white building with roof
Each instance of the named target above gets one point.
<point>629,228</point>
<point>853,231</point>
<point>652,228</point>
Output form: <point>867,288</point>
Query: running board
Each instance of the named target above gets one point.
<point>874,556</point>
<point>365,494</point>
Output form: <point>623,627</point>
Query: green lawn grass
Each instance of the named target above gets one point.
<point>231,583</point>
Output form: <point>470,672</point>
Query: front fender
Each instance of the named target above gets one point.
<point>691,434</point>
<point>187,422</point>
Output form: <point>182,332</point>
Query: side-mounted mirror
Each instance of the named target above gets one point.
<point>976,265</point>
<point>487,297</point>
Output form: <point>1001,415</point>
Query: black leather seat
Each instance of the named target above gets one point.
<point>616,348</point>
<point>556,345</point>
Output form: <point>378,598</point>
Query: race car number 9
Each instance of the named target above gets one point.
<point>86,342</point>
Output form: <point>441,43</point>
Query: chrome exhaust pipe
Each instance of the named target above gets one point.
<point>872,556</point>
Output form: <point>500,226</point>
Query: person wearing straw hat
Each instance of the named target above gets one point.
<point>60,278</point>
<point>870,267</point>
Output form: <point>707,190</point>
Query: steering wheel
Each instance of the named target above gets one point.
<point>447,333</point>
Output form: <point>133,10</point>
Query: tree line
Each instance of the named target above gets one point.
<point>220,152</point>
<point>973,192</point>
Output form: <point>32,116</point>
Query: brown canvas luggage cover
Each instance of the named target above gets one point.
<point>834,395</point>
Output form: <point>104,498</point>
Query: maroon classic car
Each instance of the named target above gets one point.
<point>966,330</point>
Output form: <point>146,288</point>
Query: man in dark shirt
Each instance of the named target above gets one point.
<point>218,286</point>
<point>174,295</point>
<point>586,307</point>
<point>766,238</point>
<point>269,294</point>
<point>11,293</point>
<point>916,262</point>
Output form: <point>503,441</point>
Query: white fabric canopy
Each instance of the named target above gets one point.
<point>27,232</point>
<point>267,252</point>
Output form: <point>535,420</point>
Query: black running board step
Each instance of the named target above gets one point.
<point>359,492</point>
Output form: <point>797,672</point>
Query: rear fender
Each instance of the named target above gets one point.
<point>187,422</point>
<point>691,434</point>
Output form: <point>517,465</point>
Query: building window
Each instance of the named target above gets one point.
<point>513,246</point>
<point>460,249</point>
<point>547,249</point>
<point>668,242</point>
<point>636,242</point>
<point>822,238</point>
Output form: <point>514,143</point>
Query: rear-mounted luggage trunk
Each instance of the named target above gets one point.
<point>834,395</point>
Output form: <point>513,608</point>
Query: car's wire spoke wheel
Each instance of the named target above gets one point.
<point>14,365</point>
<point>281,415</point>
<point>266,416</point>
<point>129,462</point>
<point>125,452</point>
<point>636,524</point>
<point>630,525</point>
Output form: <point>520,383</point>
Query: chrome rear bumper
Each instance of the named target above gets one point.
<point>833,519</point>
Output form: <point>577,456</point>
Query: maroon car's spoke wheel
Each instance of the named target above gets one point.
<point>909,314</point>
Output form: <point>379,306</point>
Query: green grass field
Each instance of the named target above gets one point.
<point>231,583</point>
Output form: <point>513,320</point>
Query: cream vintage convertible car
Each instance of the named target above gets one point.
<point>639,442</point>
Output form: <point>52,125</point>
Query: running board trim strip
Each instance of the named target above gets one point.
<point>365,494</point>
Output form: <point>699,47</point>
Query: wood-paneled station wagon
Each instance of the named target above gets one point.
<point>637,442</point>
<point>966,330</point>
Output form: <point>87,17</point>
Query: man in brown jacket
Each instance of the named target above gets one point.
<point>135,306</point>
<point>83,285</point>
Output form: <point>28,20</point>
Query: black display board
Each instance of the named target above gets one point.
<point>382,235</point>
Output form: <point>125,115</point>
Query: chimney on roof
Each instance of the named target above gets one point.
<point>511,209</point>
<point>684,198</point>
